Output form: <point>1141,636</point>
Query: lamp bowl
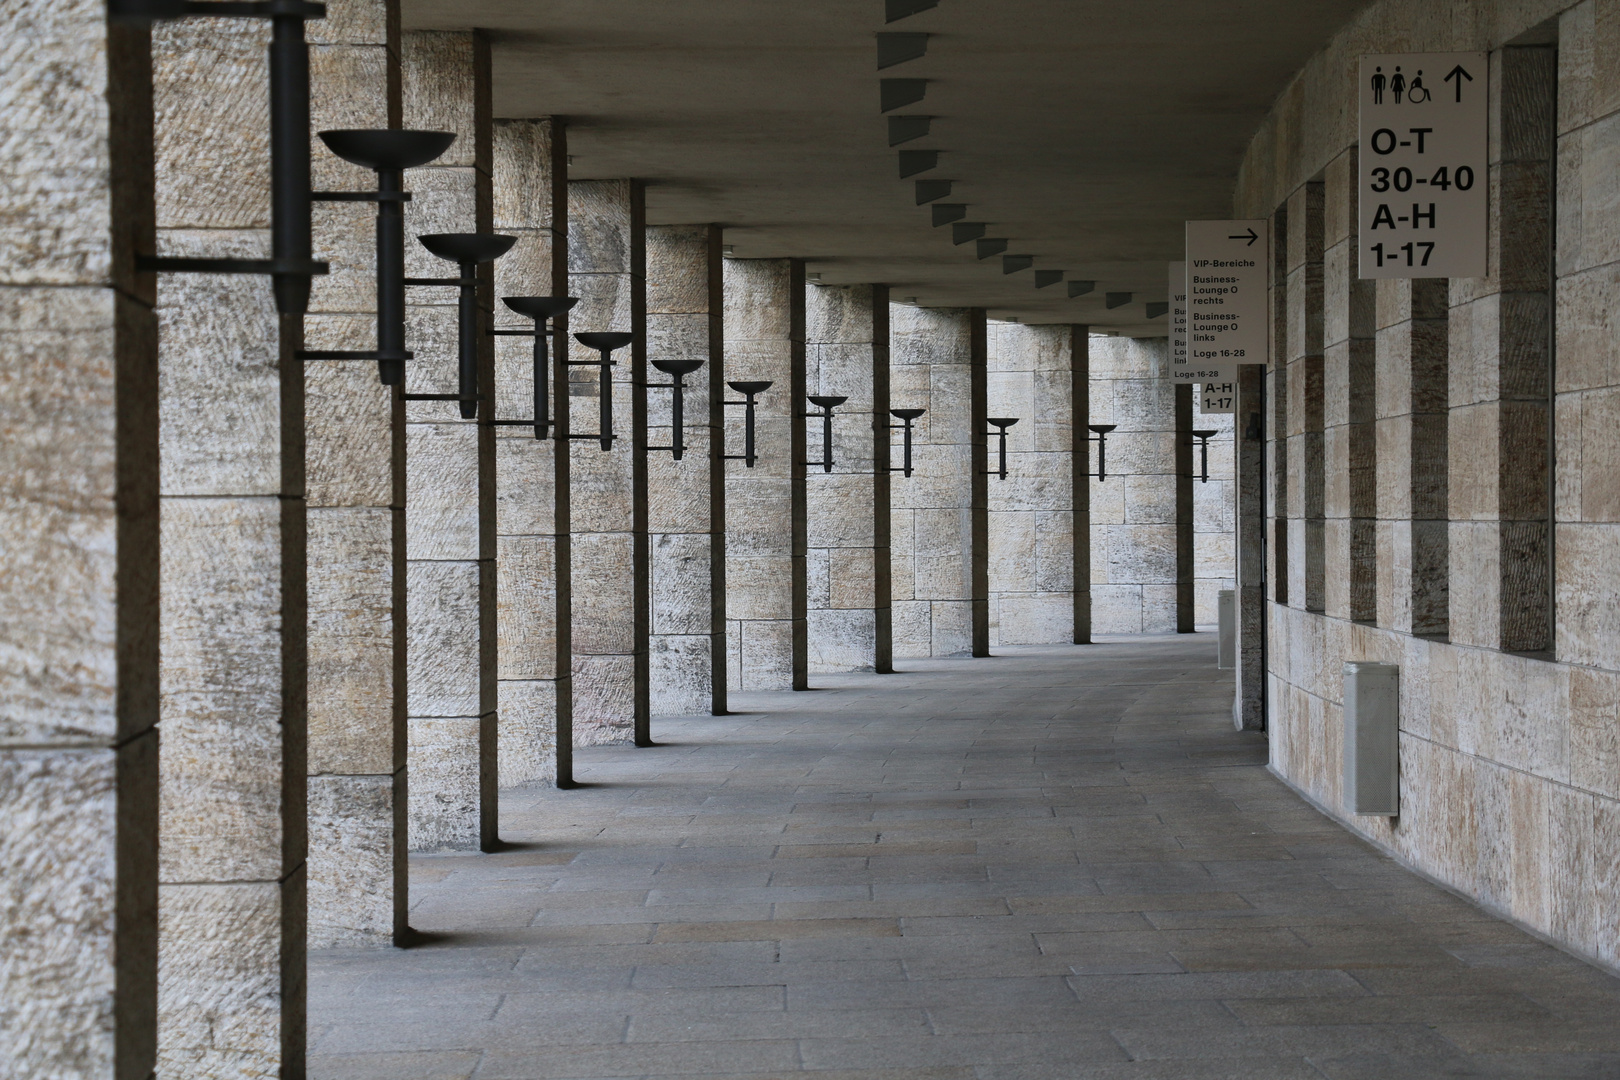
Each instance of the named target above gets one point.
<point>540,308</point>
<point>906,414</point>
<point>1205,433</point>
<point>467,247</point>
<point>684,366</point>
<point>388,148</point>
<point>605,342</point>
<point>1102,429</point>
<point>1003,422</point>
<point>750,387</point>
<point>826,401</point>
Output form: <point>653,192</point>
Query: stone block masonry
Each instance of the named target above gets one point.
<point>532,545</point>
<point>1031,556</point>
<point>231,930</point>
<point>1507,747</point>
<point>1133,511</point>
<point>450,462</point>
<point>79,561</point>
<point>848,620</point>
<point>607,227</point>
<point>354,429</point>
<point>931,366</point>
<point>686,498</point>
<point>765,507</point>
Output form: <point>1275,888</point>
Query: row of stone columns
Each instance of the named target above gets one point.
<point>373,613</point>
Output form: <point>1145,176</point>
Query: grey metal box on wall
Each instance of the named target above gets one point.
<point>1226,643</point>
<point>1372,714</point>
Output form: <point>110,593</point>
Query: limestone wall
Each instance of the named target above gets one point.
<point>1031,564</point>
<point>78,547</point>
<point>931,367</point>
<point>1133,510</point>
<point>1510,787</point>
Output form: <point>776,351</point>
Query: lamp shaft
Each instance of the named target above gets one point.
<point>289,159</point>
<point>1001,471</point>
<point>390,277</point>
<point>748,433</point>
<point>467,353</point>
<point>907,470</point>
<point>677,416</point>
<point>542,404</point>
<point>826,440</point>
<point>604,426</point>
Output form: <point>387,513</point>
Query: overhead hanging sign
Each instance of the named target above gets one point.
<point>1217,397</point>
<point>1227,318</point>
<point>1177,292</point>
<point>1424,165</point>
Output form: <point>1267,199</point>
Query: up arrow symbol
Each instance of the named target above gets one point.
<point>1459,73</point>
<point>1251,236</point>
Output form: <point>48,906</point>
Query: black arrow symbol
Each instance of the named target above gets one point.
<point>1251,236</point>
<point>1459,73</point>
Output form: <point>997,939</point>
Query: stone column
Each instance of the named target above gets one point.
<point>1133,532</point>
<point>1079,482</point>
<point>1249,517</point>
<point>931,367</point>
<point>534,659</point>
<point>1304,402</point>
<point>78,550</point>
<point>765,508</point>
<point>686,498</point>
<point>1500,356</point>
<point>1032,533</point>
<point>1411,356</point>
<point>450,463</point>
<point>231,933</point>
<point>1214,525</point>
<point>354,439</point>
<point>847,510</point>
<point>1275,396</point>
<point>1183,464</point>
<point>1348,391</point>
<point>607,226</point>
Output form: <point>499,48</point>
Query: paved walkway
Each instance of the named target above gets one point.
<point>1060,862</point>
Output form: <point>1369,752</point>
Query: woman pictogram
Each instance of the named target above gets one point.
<point>1397,84</point>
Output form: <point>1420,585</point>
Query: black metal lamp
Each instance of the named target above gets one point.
<point>1203,436</point>
<point>466,250</point>
<point>1101,439</point>
<point>677,370</point>
<point>1001,424</point>
<point>906,417</point>
<point>291,264</point>
<point>749,389</point>
<point>388,153</point>
<point>826,403</point>
<point>603,342</point>
<point>541,309</point>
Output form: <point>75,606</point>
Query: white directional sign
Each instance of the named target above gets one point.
<point>1178,319</point>
<point>1226,298</point>
<point>1424,165</point>
<point>1217,397</point>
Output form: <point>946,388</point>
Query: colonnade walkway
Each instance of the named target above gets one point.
<point>1058,862</point>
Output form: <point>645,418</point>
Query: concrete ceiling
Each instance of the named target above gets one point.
<point>1084,132</point>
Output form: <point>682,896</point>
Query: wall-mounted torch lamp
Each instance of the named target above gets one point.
<point>291,263</point>
<point>1001,423</point>
<point>826,403</point>
<point>1101,439</point>
<point>542,309</point>
<point>1203,437</point>
<point>388,153</point>
<point>677,370</point>
<point>466,250</point>
<point>906,417</point>
<point>749,390</point>
<point>603,342</point>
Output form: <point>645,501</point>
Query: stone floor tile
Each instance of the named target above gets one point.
<point>1035,866</point>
